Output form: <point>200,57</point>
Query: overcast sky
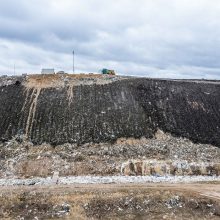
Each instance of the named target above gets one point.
<point>154,38</point>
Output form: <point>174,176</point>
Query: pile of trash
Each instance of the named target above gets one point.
<point>163,154</point>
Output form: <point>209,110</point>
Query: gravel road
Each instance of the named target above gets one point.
<point>107,180</point>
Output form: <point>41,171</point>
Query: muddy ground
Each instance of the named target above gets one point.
<point>114,201</point>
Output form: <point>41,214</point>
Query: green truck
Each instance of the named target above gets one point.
<point>108,72</point>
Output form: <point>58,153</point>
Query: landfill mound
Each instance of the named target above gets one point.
<point>93,124</point>
<point>70,108</point>
<point>87,130</point>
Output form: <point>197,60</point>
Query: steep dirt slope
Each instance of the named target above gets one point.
<point>92,108</point>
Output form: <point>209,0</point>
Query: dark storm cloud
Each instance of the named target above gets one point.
<point>158,38</point>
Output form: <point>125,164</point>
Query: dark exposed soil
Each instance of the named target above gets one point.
<point>82,109</point>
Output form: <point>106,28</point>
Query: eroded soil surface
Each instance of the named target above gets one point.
<point>84,108</point>
<point>114,201</point>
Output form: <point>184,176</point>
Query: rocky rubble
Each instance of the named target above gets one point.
<point>163,168</point>
<point>19,158</point>
<point>11,80</point>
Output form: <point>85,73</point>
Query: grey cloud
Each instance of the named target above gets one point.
<point>163,38</point>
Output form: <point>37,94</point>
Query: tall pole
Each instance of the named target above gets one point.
<point>73,63</point>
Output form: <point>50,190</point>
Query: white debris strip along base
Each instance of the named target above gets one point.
<point>108,180</point>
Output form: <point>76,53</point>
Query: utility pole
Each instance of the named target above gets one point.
<point>73,62</point>
<point>14,68</point>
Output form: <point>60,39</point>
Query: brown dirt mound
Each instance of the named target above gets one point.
<point>60,80</point>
